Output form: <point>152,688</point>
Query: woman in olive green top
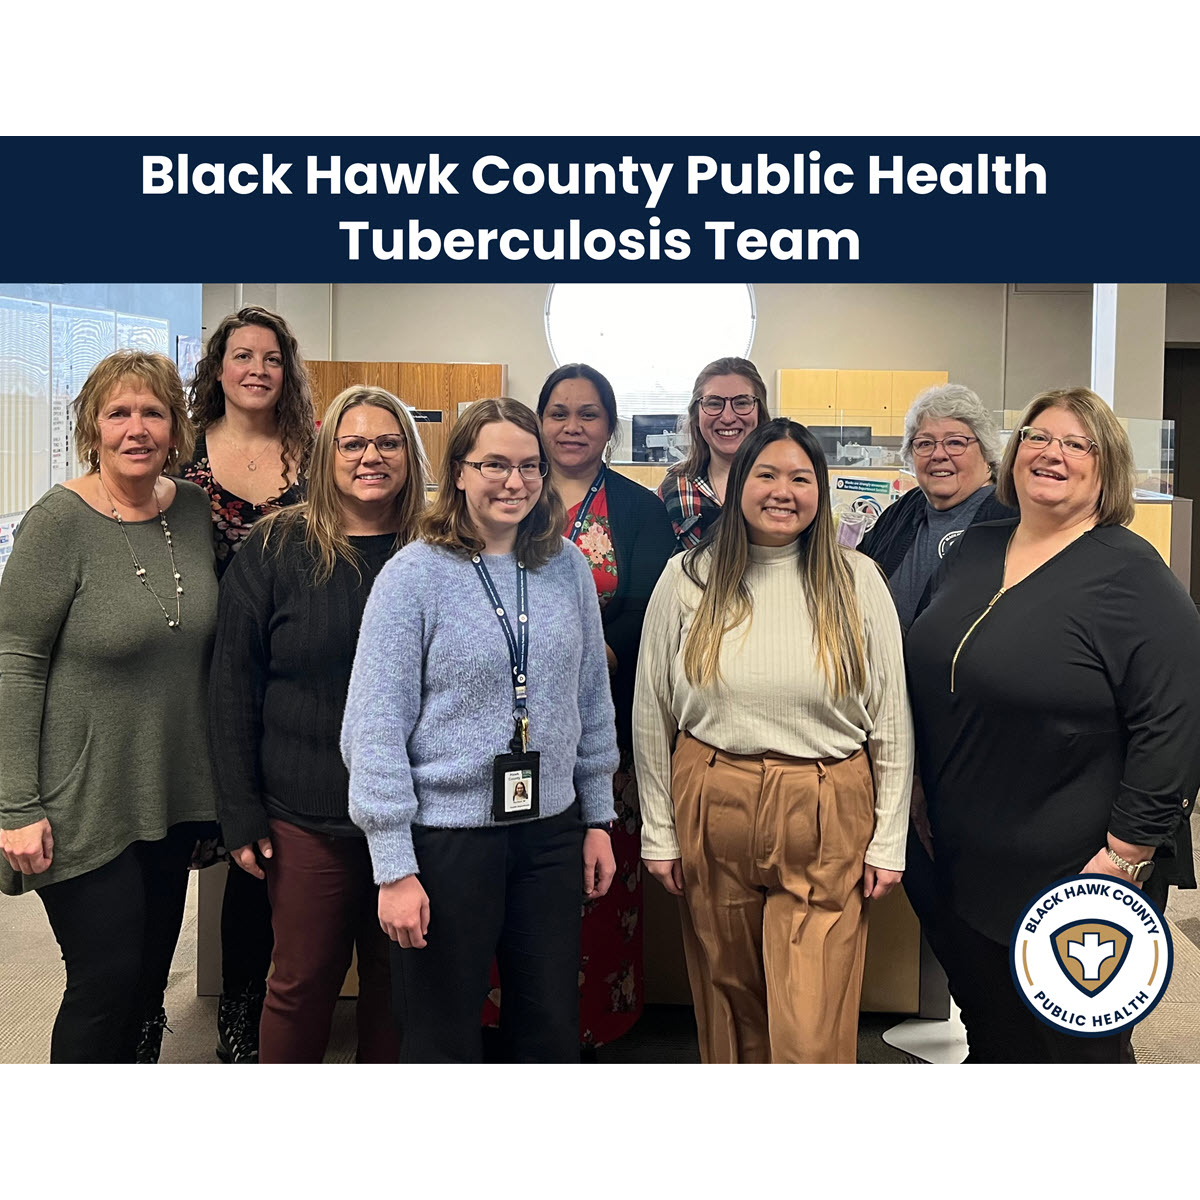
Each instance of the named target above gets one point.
<point>107,612</point>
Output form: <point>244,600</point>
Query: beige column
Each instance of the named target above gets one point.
<point>1128,336</point>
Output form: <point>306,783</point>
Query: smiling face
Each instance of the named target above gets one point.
<point>780,495</point>
<point>946,480</point>
<point>252,368</point>
<point>575,427</point>
<point>136,434</point>
<point>726,433</point>
<point>374,479</point>
<point>498,506</point>
<point>1049,479</point>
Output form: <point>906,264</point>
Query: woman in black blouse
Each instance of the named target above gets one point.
<point>252,408</point>
<point>290,607</point>
<point>1057,717</point>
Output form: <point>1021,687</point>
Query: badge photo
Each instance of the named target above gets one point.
<point>1091,955</point>
<point>518,789</point>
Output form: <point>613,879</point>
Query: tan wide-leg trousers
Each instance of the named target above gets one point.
<point>774,925</point>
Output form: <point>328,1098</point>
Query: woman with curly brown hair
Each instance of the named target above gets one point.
<point>253,412</point>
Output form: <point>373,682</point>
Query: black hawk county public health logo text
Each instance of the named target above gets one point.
<point>1091,955</point>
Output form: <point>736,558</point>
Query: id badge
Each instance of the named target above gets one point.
<point>515,786</point>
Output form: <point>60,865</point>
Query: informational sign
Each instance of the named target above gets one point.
<point>864,495</point>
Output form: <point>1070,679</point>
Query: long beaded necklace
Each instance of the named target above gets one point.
<point>139,570</point>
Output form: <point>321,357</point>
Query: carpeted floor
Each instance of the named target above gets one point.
<point>31,981</point>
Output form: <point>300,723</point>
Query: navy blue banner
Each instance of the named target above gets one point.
<point>637,209</point>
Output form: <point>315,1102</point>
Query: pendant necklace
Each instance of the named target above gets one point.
<point>252,464</point>
<point>139,570</point>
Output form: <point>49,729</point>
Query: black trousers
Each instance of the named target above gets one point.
<point>117,927</point>
<point>1000,1028</point>
<point>509,892</point>
<point>247,939</point>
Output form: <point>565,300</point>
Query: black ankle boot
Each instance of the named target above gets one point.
<point>238,1015</point>
<point>150,1044</point>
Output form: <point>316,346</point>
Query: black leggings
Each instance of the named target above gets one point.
<point>247,940</point>
<point>117,927</point>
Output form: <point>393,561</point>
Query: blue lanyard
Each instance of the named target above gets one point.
<point>518,644</point>
<point>577,524</point>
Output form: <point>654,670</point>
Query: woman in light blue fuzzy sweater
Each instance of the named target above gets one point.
<point>431,705</point>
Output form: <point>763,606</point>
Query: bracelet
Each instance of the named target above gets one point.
<point>607,826</point>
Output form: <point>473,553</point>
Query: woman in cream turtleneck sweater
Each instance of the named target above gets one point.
<point>773,745</point>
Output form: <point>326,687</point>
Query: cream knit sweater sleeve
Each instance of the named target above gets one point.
<point>654,723</point>
<point>890,735</point>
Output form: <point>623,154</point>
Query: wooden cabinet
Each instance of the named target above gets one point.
<point>876,400</point>
<point>428,387</point>
<point>807,392</point>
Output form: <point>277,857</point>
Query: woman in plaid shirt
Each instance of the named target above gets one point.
<point>729,399</point>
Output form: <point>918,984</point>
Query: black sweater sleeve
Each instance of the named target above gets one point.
<point>651,541</point>
<point>1147,634</point>
<point>236,690</point>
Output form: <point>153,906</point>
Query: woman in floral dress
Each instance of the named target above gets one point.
<point>252,406</point>
<point>626,536</point>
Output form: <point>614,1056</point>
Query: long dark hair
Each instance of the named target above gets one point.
<point>718,567</point>
<point>294,409</point>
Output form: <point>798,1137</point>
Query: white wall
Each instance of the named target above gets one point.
<point>959,328</point>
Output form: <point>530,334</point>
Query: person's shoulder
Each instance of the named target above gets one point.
<point>191,496</point>
<point>1122,543</point>
<point>868,575</point>
<point>419,555</point>
<point>1122,556</point>
<point>59,503</point>
<point>993,509</point>
<point>627,495</point>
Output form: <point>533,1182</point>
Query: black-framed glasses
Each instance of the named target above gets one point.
<point>353,446</point>
<point>954,445</point>
<point>714,406</point>
<point>497,470</point>
<point>1073,446</point>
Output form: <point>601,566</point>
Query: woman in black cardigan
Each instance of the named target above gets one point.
<point>1058,726</point>
<point>624,531</point>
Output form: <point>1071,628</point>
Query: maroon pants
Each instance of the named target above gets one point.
<point>324,904</point>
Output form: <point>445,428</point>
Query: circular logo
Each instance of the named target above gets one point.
<point>1091,955</point>
<point>948,541</point>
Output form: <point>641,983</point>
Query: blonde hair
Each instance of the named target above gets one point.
<point>1113,452</point>
<point>838,637</point>
<point>320,515</point>
<point>448,523</point>
<point>158,374</point>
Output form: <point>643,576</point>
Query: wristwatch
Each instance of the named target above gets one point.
<point>1138,872</point>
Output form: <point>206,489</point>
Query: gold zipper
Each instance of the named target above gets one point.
<point>991,602</point>
<point>954,660</point>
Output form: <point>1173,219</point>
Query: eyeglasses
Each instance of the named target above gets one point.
<point>498,471</point>
<point>714,406</point>
<point>1073,447</point>
<point>954,445</point>
<point>353,446</point>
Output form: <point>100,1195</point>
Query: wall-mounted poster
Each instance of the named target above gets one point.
<point>187,356</point>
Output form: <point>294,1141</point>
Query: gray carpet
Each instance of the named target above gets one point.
<point>31,981</point>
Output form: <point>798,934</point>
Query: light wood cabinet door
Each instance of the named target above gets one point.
<point>803,391</point>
